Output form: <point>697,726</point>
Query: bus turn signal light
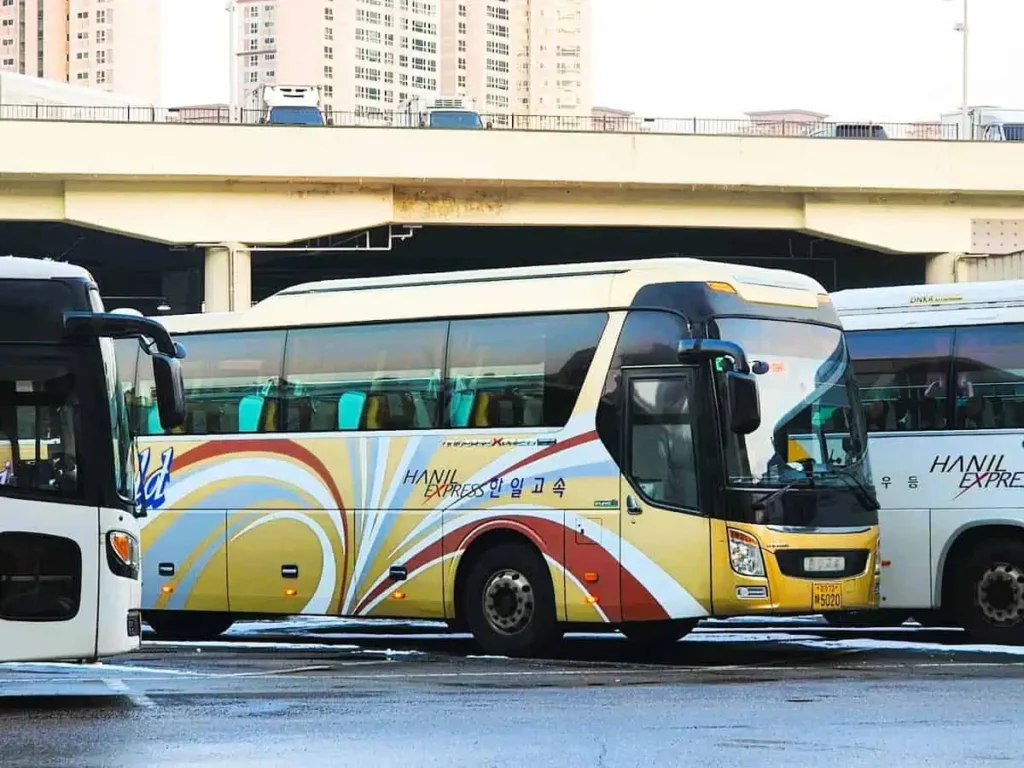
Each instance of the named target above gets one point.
<point>590,577</point>
<point>290,592</point>
<point>166,590</point>
<point>591,600</point>
<point>122,545</point>
<point>398,595</point>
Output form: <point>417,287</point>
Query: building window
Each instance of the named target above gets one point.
<point>328,72</point>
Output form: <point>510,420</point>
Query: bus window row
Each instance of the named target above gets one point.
<point>928,379</point>
<point>465,374</point>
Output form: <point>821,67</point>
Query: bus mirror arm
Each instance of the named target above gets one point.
<point>167,356</point>
<point>121,326</point>
<point>699,350</point>
<point>742,402</point>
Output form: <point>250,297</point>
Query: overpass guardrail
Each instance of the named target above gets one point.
<point>694,126</point>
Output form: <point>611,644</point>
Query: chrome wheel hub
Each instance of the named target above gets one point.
<point>508,601</point>
<point>1000,594</point>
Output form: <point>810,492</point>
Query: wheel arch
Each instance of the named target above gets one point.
<point>489,535</point>
<point>960,543</point>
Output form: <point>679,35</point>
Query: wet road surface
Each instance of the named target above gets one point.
<point>757,696</point>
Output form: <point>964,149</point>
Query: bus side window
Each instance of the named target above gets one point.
<point>520,371</point>
<point>989,368</point>
<point>902,376</point>
<point>367,377</point>
<point>230,380</point>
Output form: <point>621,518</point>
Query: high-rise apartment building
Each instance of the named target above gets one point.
<point>521,56</point>
<point>109,44</point>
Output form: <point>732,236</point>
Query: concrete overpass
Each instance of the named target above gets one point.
<point>226,187</point>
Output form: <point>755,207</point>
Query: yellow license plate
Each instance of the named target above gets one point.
<point>827,597</point>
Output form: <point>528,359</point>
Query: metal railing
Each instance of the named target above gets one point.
<point>691,126</point>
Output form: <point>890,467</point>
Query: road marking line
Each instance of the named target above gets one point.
<point>138,699</point>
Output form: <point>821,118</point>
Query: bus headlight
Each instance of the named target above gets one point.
<point>123,554</point>
<point>745,554</point>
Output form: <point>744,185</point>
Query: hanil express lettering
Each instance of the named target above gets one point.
<point>984,470</point>
<point>442,484</point>
<point>152,489</point>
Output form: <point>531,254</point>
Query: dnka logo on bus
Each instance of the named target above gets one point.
<point>978,471</point>
<point>153,487</point>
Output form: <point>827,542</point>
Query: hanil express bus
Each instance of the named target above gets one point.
<point>941,371</point>
<point>515,451</point>
<point>69,537</point>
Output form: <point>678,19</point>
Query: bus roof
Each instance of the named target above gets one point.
<point>563,287</point>
<point>931,305</point>
<point>18,268</point>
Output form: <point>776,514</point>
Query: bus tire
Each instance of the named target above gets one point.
<point>988,595</point>
<point>508,601</point>
<point>188,625</point>
<point>657,634</point>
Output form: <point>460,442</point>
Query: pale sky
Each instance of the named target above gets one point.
<point>883,60</point>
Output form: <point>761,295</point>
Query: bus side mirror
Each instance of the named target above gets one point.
<point>170,391</point>
<point>743,404</point>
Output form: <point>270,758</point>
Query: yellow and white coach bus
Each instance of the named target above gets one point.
<point>631,444</point>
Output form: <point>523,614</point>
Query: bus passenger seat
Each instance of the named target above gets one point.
<point>350,410</point>
<point>250,408</point>
<point>481,410</point>
<point>461,403</point>
<point>978,414</point>
<point>505,410</point>
<point>880,417</point>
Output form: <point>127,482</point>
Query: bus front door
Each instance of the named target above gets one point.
<point>665,538</point>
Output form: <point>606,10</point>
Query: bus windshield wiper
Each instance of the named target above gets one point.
<point>806,481</point>
<point>860,490</point>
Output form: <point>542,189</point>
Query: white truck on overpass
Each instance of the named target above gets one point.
<point>438,112</point>
<point>291,105</point>
<point>990,123</point>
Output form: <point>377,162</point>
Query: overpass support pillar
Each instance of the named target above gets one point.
<point>972,267</point>
<point>941,267</point>
<point>227,278</point>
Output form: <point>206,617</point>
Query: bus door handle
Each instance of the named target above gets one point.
<point>632,507</point>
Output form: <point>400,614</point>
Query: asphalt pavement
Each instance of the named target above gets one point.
<point>401,696</point>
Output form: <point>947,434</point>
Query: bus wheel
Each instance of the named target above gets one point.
<point>989,592</point>
<point>188,625</point>
<point>509,602</point>
<point>657,634</point>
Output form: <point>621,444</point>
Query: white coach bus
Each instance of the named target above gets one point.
<point>69,535</point>
<point>941,372</point>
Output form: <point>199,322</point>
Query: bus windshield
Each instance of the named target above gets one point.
<point>812,425</point>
